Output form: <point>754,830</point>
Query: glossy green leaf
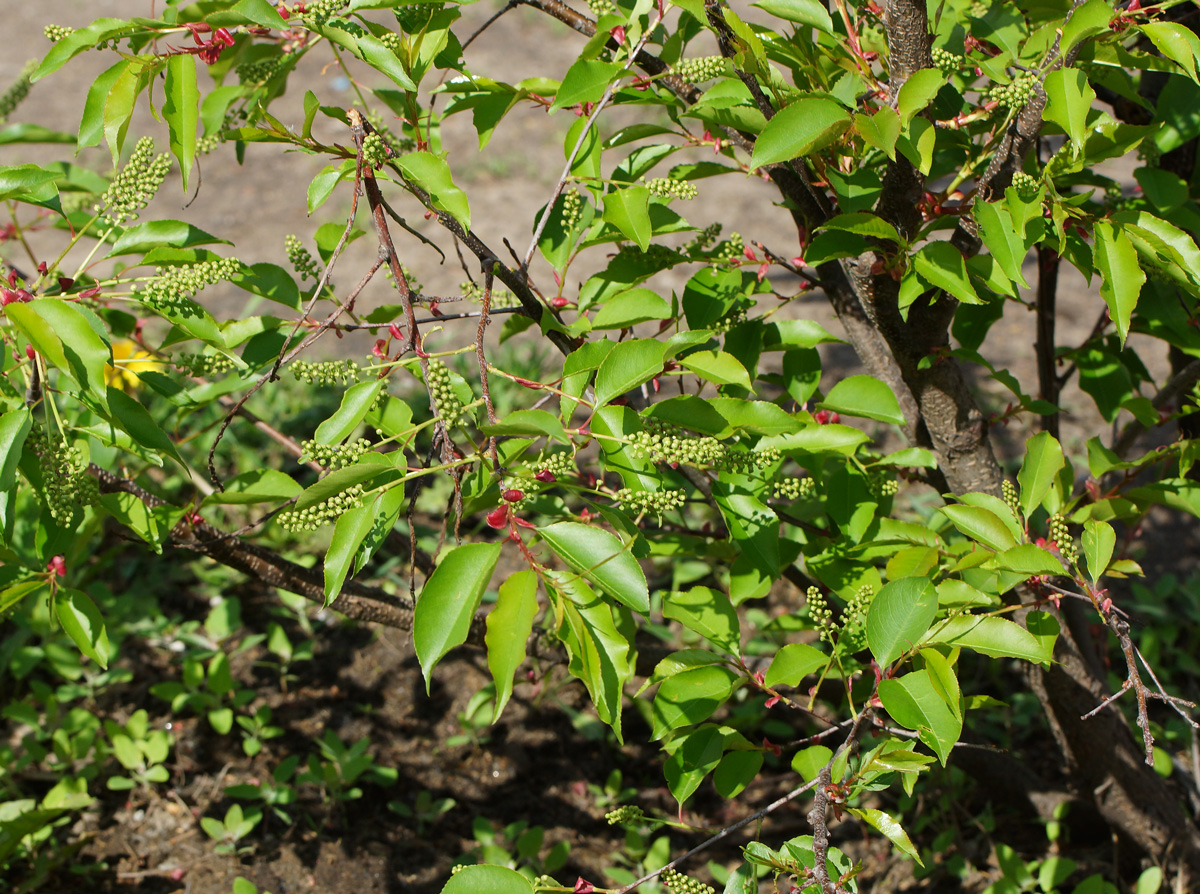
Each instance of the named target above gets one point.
<point>797,130</point>
<point>509,625</point>
<point>256,486</point>
<point>630,308</point>
<point>271,282</point>
<point>119,105</point>
<point>370,50</point>
<point>802,12</point>
<point>880,130</point>
<point>793,663</point>
<point>487,879</point>
<point>627,365</point>
<point>1002,238</point>
<point>77,41</point>
<point>915,703</point>
<point>349,532</point>
<point>753,526</point>
<point>15,426</point>
<point>444,612</point>
<point>629,211</point>
<point>321,187</point>
<point>1099,541</point>
<point>898,617</point>
<point>754,417</point>
<point>1028,558</point>
<point>60,331</point>
<point>989,635</point>
<point>1177,43</point>
<point>708,613</point>
<point>866,397</point>
<point>1085,22</point>
<point>736,770</point>
<point>717,367</point>
<point>944,267</point>
<point>248,12</point>
<point>1041,465</point>
<point>691,697</point>
<point>431,174</point>
<point>15,180</point>
<point>980,524</point>
<point>153,234</point>
<point>884,823</point>
<point>917,92</point>
<point>356,403</point>
<point>1069,98</point>
<point>136,421</point>
<point>181,110</point>
<point>585,81</point>
<point>691,757</point>
<point>1121,274</point>
<point>530,424</point>
<point>599,654</point>
<point>82,621</point>
<point>601,559</point>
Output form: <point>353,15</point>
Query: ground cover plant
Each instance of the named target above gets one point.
<point>613,465</point>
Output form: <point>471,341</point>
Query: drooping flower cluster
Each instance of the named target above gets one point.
<point>854,619</point>
<point>64,475</point>
<point>820,613</point>
<point>326,372</point>
<point>136,185</point>
<point>501,298</point>
<point>261,71</point>
<point>667,188</point>
<point>683,884</point>
<point>313,517</point>
<point>658,502</point>
<point>560,464</point>
<point>18,91</point>
<point>1016,94</point>
<point>697,71</point>
<point>624,815</point>
<point>204,366</point>
<point>445,398</point>
<point>301,259</point>
<point>173,287</point>
<point>334,456</point>
<point>795,488</point>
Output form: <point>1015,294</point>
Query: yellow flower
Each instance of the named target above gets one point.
<point>128,361</point>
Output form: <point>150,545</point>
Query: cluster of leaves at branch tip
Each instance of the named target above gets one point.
<point>136,185</point>
<point>326,372</point>
<point>67,486</point>
<point>172,288</point>
<point>334,456</point>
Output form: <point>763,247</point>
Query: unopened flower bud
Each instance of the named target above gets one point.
<point>512,495</point>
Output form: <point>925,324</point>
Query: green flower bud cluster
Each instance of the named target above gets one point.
<point>821,614</point>
<point>854,619</point>
<point>302,260</point>
<point>321,11</point>
<point>735,317</point>
<point>978,9</point>
<point>1008,491</point>
<point>313,517</point>
<point>882,484</point>
<point>326,372</point>
<point>375,150</point>
<point>398,145</point>
<point>665,443</point>
<point>137,183</point>
<point>654,258</point>
<point>704,238</point>
<point>625,814</point>
<point>682,884</point>
<point>560,464</point>
<point>699,70</point>
<point>414,284</point>
<point>18,91</point>
<point>207,144</point>
<point>795,488</point>
<point>55,33</point>
<point>457,868</point>
<point>334,456</point>
<point>1061,535</point>
<point>501,298</point>
<point>441,387</point>
<point>64,475</point>
<point>414,17</point>
<point>945,60</point>
<point>204,366</point>
<point>642,501</point>
<point>601,7</point>
<point>260,72</point>
<point>173,287</point>
<point>666,188</point>
<point>1016,94</point>
<point>545,882</point>
<point>572,207</point>
<point>392,41</point>
<point>730,251</point>
<point>76,201</point>
<point>1026,185</point>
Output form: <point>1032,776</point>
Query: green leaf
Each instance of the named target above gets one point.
<point>77,41</point>
<point>753,526</point>
<point>356,403</point>
<point>321,187</point>
<point>119,105</point>
<point>884,823</point>
<point>585,81</point>
<point>1099,541</point>
<point>1028,558</point>
<point>370,50</point>
<point>692,756</point>
<point>880,130</point>
<point>1177,43</point>
<point>980,524</point>
<point>81,620</point>
<point>91,125</point>
<point>487,879</point>
<point>630,308</point>
<point>271,282</point>
<point>351,530</point>
<point>431,174</point>
<point>15,426</point>
<point>866,397</point>
<point>717,367</point>
<point>990,635</point>
<point>629,211</point>
<point>918,92</point>
<point>181,110</point>
<point>529,424</point>
<point>708,613</point>
<point>898,617</point>
<point>802,12</point>
<point>804,127</point>
<point>446,607</point>
<point>143,237</point>
<point>691,697</point>
<point>136,421</point>
<point>601,559</point>
<point>1085,22</point>
<point>60,331</point>
<point>627,365</point>
<point>1041,465</point>
<point>248,12</point>
<point>256,486</point>
<point>509,625</point>
<point>736,770</point>
<point>810,761</point>
<point>1002,238</point>
<point>793,663</point>
<point>15,180</point>
<point>599,654</point>
<point>1121,274</point>
<point>1069,97</point>
<point>915,703</point>
<point>943,266</point>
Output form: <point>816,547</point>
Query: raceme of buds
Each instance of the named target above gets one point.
<point>682,884</point>
<point>821,614</point>
<point>260,71</point>
<point>945,60</point>
<point>334,456</point>
<point>699,70</point>
<point>795,488</point>
<point>625,815</point>
<point>326,372</point>
<point>658,502</point>
<point>730,251</point>
<point>882,483</point>
<point>667,188</point>
<point>64,475</point>
<point>441,387</point>
<point>313,517</point>
<point>321,11</point>
<point>413,18</point>
<point>1016,94</point>
<point>135,186</point>
<point>301,258</point>
<point>55,33</point>
<point>18,91</point>
<point>1026,185</point>
<point>173,287</point>
<point>1061,535</point>
<point>1008,490</point>
<point>204,366</point>
<point>375,151</point>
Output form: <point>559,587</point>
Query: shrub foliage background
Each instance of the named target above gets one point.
<point>681,454</point>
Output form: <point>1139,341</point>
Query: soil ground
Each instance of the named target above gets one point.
<point>536,765</point>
